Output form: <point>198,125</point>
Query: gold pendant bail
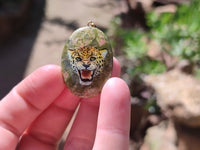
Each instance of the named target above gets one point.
<point>91,24</point>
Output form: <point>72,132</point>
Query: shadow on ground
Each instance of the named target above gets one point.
<point>14,54</point>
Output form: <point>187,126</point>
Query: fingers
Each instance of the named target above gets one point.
<point>45,132</point>
<point>83,131</point>
<point>114,114</point>
<point>31,97</point>
<point>47,129</point>
<point>26,101</point>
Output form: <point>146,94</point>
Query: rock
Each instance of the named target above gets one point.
<point>185,66</point>
<point>146,4</point>
<point>132,145</point>
<point>188,137</point>
<point>171,8</point>
<point>178,96</point>
<point>87,61</point>
<point>155,53</point>
<point>160,137</point>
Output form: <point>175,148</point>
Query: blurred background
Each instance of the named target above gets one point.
<point>156,41</point>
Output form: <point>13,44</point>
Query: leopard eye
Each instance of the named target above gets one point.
<point>78,59</point>
<point>92,58</point>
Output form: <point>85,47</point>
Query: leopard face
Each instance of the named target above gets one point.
<point>87,62</point>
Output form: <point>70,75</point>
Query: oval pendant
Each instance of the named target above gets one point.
<point>87,61</point>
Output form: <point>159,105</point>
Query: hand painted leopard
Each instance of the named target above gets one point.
<point>87,62</point>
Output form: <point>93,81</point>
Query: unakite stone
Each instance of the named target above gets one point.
<point>87,61</point>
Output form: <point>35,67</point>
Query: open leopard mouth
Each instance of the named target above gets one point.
<point>86,76</point>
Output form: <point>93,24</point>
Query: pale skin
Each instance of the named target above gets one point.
<point>39,108</point>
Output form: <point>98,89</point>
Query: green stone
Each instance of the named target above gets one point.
<point>87,61</point>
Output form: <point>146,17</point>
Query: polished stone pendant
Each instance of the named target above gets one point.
<point>87,61</point>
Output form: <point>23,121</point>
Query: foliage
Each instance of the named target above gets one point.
<point>135,47</point>
<point>178,34</point>
<point>152,106</point>
<point>148,67</point>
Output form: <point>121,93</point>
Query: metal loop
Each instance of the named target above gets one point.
<point>91,24</point>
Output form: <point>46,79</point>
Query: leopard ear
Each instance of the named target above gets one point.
<point>69,52</point>
<point>103,53</point>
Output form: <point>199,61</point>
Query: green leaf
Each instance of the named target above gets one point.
<point>149,67</point>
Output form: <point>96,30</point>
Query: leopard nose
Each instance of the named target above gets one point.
<point>86,66</point>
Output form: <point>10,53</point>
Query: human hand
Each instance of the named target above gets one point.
<point>36,112</point>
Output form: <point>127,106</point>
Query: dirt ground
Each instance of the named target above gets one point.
<point>41,41</point>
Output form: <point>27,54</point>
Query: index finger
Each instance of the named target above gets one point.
<point>26,101</point>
